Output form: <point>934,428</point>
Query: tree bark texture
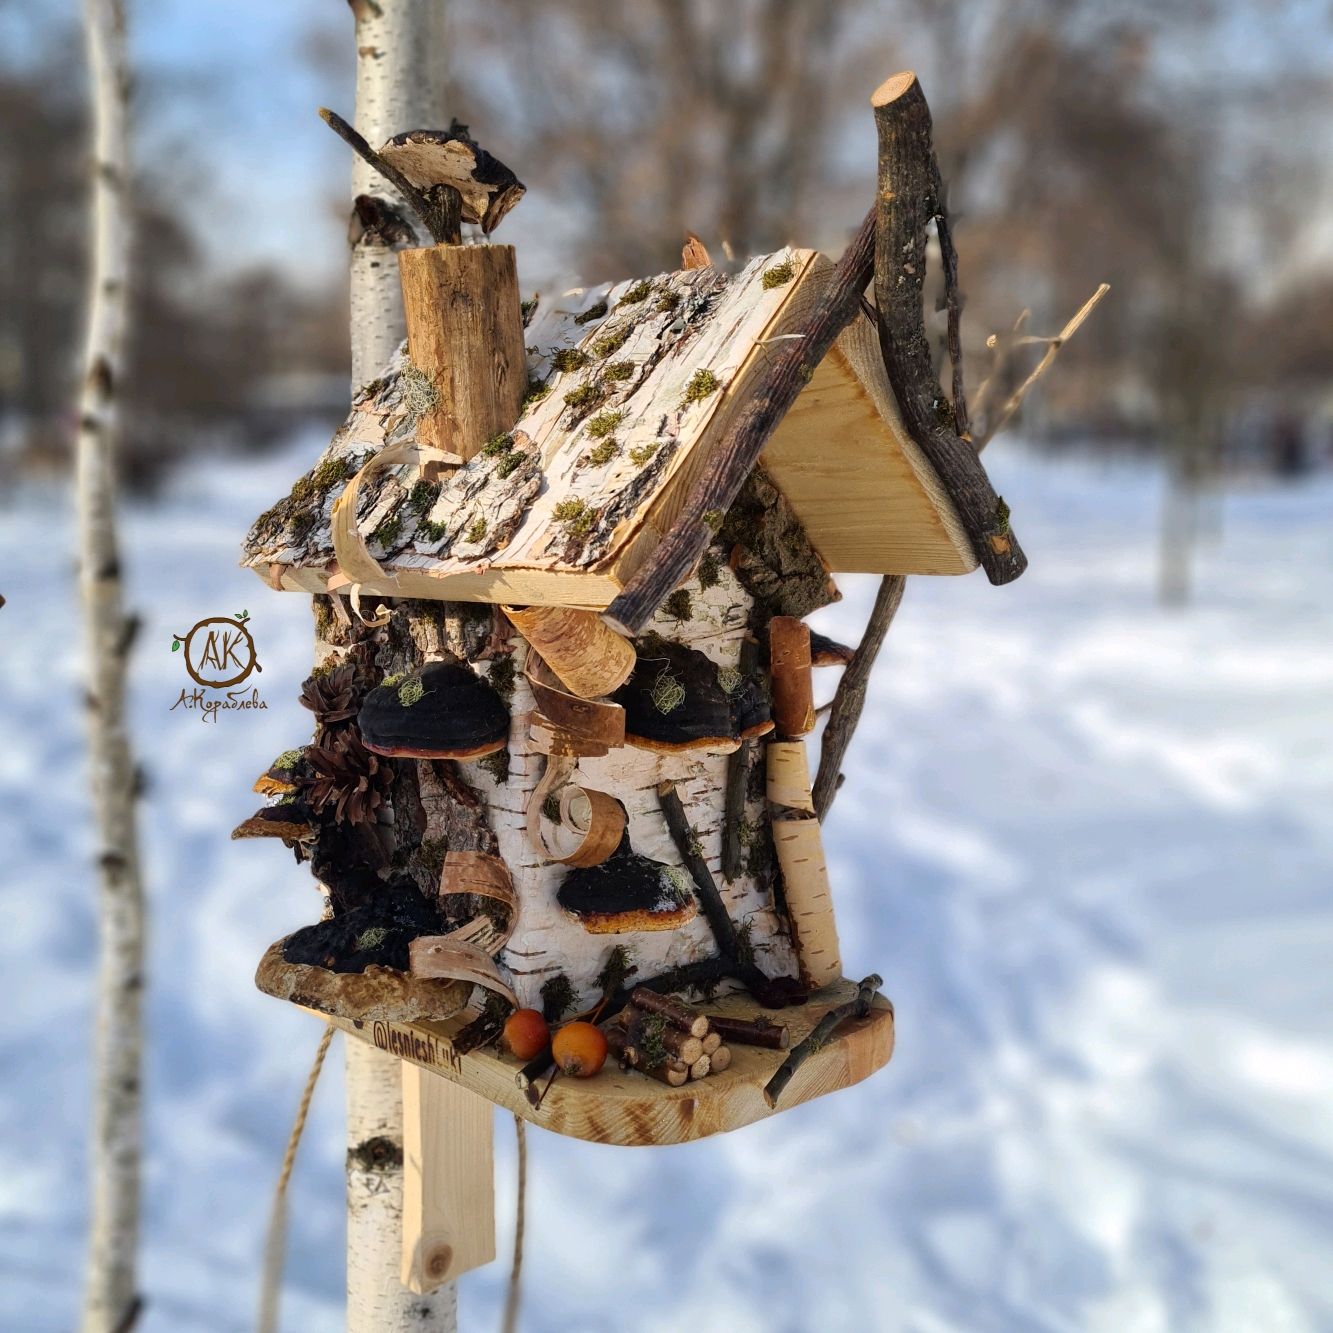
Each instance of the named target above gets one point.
<point>110,1298</point>
<point>735,456</point>
<point>400,66</point>
<point>400,85</point>
<point>909,200</point>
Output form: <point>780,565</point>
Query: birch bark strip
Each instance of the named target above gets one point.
<point>110,1297</point>
<point>399,86</point>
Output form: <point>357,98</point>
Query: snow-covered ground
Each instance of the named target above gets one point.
<point>1087,843</point>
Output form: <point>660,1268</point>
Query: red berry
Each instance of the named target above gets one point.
<point>526,1033</point>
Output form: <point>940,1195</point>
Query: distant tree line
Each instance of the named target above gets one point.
<point>203,345</point>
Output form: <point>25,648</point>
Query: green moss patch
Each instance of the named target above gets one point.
<point>569,359</point>
<point>578,517</point>
<point>602,454</point>
<point>703,383</point>
<point>593,312</point>
<point>639,292</point>
<point>603,424</point>
<point>779,275</point>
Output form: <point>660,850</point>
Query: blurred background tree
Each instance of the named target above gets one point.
<point>1172,151</point>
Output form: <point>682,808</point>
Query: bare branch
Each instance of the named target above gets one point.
<point>441,220</point>
<point>1053,346</point>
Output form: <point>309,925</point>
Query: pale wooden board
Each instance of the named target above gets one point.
<point>862,489</point>
<point>632,1110</point>
<point>448,1180</point>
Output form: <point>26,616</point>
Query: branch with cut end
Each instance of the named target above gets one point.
<point>1005,349</point>
<point>442,217</point>
<point>858,1007</point>
<point>908,201</point>
<point>790,368</point>
<point>850,697</point>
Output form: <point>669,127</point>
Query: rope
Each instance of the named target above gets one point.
<point>275,1243</point>
<point>510,1324</point>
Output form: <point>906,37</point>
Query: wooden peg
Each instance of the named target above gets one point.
<point>465,335</point>
<point>448,1180</point>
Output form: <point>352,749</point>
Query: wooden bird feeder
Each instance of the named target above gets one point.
<point>608,514</point>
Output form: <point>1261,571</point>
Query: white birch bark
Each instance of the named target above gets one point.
<point>399,86</point>
<point>110,1285</point>
<point>546,940</point>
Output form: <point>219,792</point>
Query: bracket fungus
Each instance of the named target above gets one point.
<point>442,711</point>
<point>453,158</point>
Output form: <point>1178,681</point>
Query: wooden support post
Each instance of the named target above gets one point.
<point>465,334</point>
<point>448,1180</point>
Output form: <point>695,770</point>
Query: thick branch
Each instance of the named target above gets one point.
<point>792,364</point>
<point>819,1036</point>
<point>850,697</point>
<point>909,186</point>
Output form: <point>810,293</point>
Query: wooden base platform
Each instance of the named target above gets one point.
<point>635,1111</point>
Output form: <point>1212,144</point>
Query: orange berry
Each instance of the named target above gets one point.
<point>526,1033</point>
<point>579,1049</point>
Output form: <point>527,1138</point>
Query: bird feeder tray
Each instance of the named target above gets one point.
<point>632,1110</point>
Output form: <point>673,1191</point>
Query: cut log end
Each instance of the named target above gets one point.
<point>894,87</point>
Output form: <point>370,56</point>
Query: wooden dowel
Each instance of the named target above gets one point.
<point>699,1069</point>
<point>676,1012</point>
<point>721,1059</point>
<point>749,1032</point>
<point>465,335</point>
<point>710,1043</point>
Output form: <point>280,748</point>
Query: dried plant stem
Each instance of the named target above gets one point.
<point>1053,346</point>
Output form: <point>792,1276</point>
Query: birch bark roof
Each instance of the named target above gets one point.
<point>632,385</point>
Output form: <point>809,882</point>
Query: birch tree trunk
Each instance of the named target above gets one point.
<point>399,86</point>
<point>110,1295</point>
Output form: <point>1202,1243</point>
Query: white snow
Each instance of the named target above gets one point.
<point>1086,841</point>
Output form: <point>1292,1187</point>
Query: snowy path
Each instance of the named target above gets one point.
<point>1086,842</point>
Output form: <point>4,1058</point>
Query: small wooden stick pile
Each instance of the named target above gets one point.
<point>675,1042</point>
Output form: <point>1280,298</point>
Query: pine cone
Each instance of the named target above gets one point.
<point>346,776</point>
<point>334,696</point>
